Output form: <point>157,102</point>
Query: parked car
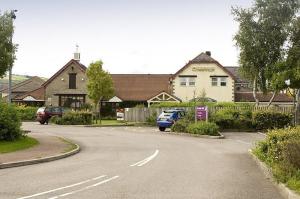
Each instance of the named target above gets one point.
<point>43,114</point>
<point>168,117</point>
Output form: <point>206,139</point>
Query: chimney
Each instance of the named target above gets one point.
<point>208,53</point>
<point>77,54</point>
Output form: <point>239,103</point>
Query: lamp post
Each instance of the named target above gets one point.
<point>288,83</point>
<point>13,16</point>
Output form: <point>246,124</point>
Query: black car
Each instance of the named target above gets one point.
<point>43,114</point>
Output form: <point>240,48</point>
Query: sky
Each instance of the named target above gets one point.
<point>129,36</point>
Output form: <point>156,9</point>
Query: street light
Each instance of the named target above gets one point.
<point>13,16</point>
<point>288,83</point>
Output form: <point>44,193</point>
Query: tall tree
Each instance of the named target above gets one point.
<point>7,48</point>
<point>99,85</point>
<point>261,38</point>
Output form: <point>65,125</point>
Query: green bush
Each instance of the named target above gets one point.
<point>180,126</point>
<point>151,120</point>
<point>27,113</point>
<point>10,123</point>
<point>73,118</point>
<point>232,119</point>
<point>263,120</point>
<point>203,128</point>
<point>281,151</point>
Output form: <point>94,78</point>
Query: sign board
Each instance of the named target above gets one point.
<point>120,114</point>
<point>202,113</point>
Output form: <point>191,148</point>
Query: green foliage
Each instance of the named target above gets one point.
<point>281,151</point>
<point>263,33</point>
<point>180,126</point>
<point>203,128</point>
<point>27,113</point>
<point>73,118</point>
<point>209,104</point>
<point>233,119</point>
<point>10,123</point>
<point>151,120</point>
<point>20,144</point>
<point>263,120</point>
<point>7,48</point>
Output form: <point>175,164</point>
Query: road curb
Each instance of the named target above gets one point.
<point>284,190</point>
<point>221,136</point>
<point>41,160</point>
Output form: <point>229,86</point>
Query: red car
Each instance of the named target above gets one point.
<point>43,114</point>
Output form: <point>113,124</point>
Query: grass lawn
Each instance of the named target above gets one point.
<point>22,143</point>
<point>112,123</point>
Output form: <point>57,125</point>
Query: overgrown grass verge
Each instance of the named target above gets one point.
<point>281,152</point>
<point>19,144</point>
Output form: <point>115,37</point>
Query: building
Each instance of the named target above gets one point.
<point>201,77</point>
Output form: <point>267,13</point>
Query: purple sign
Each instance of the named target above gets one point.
<point>202,113</point>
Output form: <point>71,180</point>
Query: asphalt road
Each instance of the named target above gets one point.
<point>132,162</point>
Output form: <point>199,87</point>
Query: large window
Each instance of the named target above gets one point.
<point>71,101</point>
<point>72,81</point>
<point>219,81</point>
<point>187,81</point>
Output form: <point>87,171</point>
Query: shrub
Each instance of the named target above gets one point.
<point>263,120</point>
<point>27,112</point>
<point>203,128</point>
<point>281,151</point>
<point>10,123</point>
<point>180,126</point>
<point>232,119</point>
<point>73,118</point>
<point>151,120</point>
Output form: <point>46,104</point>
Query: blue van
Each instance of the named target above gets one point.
<point>168,117</point>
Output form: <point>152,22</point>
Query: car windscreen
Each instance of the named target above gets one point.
<point>165,115</point>
<point>42,109</point>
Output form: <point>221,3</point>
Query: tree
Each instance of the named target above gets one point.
<point>263,32</point>
<point>7,48</point>
<point>99,85</point>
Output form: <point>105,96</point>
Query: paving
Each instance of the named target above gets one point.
<point>142,163</point>
<point>49,145</point>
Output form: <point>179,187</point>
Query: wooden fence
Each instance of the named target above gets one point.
<point>141,114</point>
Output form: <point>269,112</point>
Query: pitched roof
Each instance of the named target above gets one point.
<point>27,85</point>
<point>140,87</point>
<point>248,97</point>
<point>72,61</point>
<point>234,70</point>
<point>37,94</point>
<point>204,58</point>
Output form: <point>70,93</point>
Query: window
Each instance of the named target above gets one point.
<point>187,81</point>
<point>192,81</point>
<point>71,101</point>
<point>219,81</point>
<point>223,81</point>
<point>183,81</point>
<point>214,81</point>
<point>72,81</point>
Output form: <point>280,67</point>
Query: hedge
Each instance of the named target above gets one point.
<point>73,118</point>
<point>263,120</point>
<point>10,123</point>
<point>27,113</point>
<point>281,151</point>
<point>203,128</point>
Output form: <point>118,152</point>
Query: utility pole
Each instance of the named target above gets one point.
<point>13,16</point>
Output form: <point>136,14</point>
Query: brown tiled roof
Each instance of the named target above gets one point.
<point>140,87</point>
<point>204,58</point>
<point>81,66</point>
<point>37,94</point>
<point>248,97</point>
<point>27,85</point>
<point>234,70</point>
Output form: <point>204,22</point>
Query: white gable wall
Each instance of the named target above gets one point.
<point>203,71</point>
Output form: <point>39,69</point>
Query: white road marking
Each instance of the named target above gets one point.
<point>85,188</point>
<point>61,188</point>
<point>146,160</point>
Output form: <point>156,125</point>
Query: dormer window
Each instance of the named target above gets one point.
<point>72,80</point>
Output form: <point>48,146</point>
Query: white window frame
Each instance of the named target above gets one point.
<point>218,81</point>
<point>214,81</point>
<point>192,81</point>
<point>183,81</point>
<point>223,80</point>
